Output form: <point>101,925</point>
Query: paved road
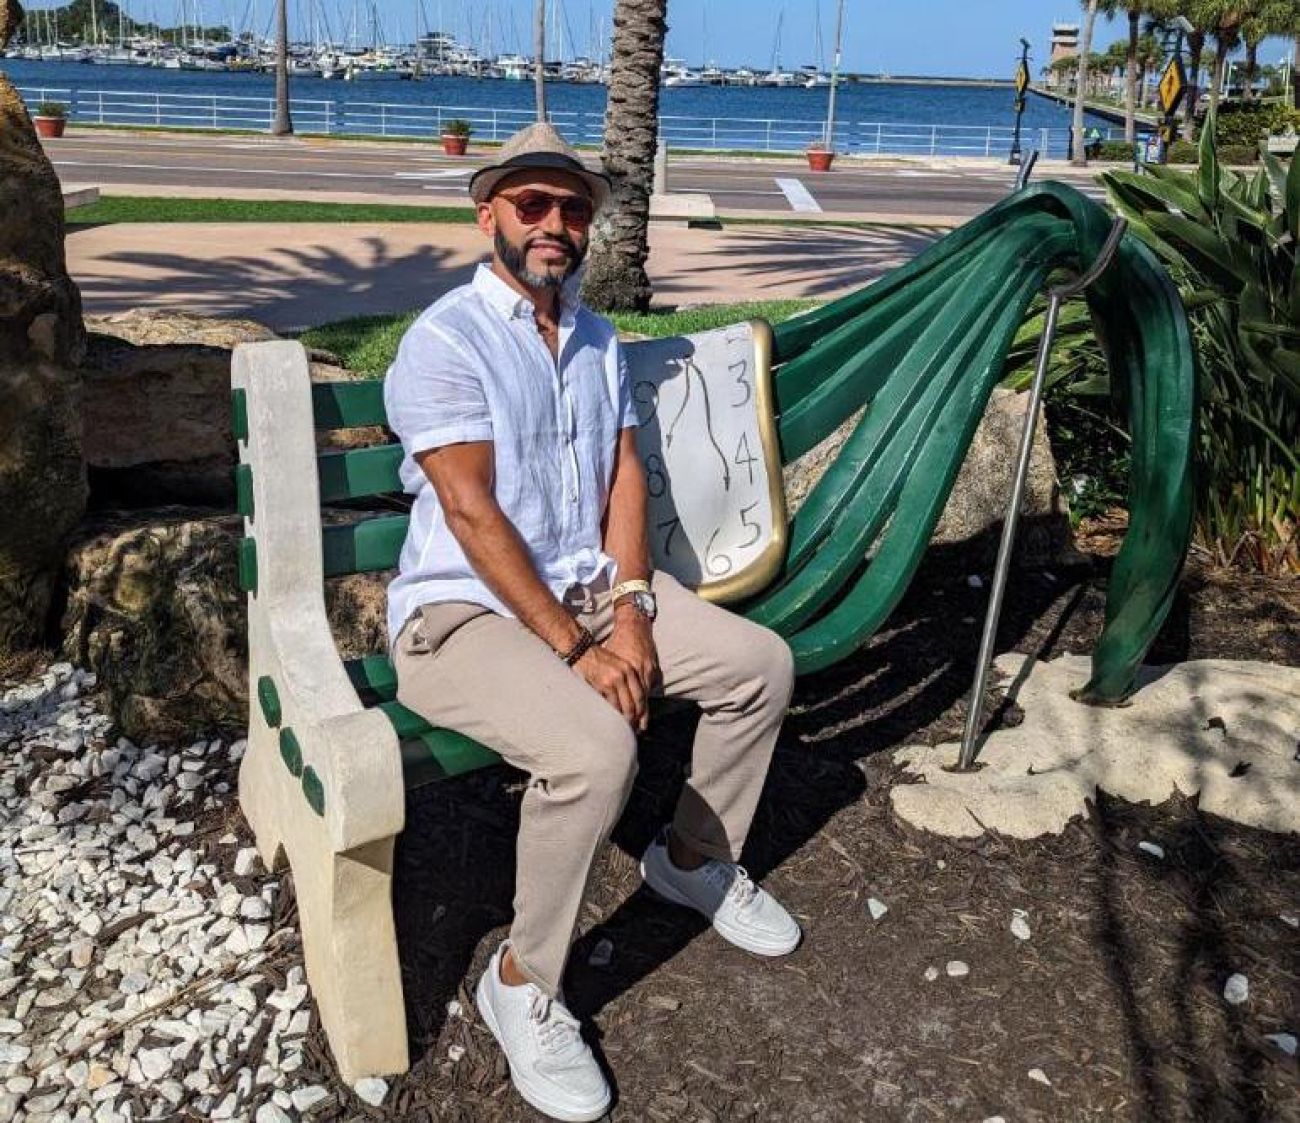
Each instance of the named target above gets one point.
<point>215,164</point>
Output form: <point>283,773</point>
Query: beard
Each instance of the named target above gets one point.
<point>515,259</point>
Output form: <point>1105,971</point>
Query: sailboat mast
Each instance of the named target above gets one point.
<point>835,77</point>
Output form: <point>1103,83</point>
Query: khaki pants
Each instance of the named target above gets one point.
<point>463,667</point>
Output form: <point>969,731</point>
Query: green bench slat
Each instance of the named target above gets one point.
<point>430,754</point>
<point>349,474</point>
<point>363,547</point>
<point>239,414</point>
<point>244,490</point>
<point>358,472</point>
<point>348,405</point>
<point>373,675</point>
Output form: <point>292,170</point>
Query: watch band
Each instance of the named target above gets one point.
<point>623,588</point>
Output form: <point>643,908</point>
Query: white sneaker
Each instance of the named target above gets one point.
<point>550,1064</point>
<point>743,913</point>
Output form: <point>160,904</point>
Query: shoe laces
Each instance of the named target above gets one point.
<point>739,886</point>
<point>557,1030</point>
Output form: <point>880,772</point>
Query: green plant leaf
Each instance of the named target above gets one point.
<point>1204,249</point>
<point>1276,174</point>
<point>1208,173</point>
<point>1292,197</point>
<point>1144,193</point>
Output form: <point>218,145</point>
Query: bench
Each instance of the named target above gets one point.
<point>917,354</point>
<point>331,751</point>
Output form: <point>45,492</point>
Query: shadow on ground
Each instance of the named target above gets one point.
<point>1116,998</point>
<point>288,288</point>
<point>765,262</point>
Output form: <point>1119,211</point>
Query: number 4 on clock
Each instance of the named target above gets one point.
<point>744,457</point>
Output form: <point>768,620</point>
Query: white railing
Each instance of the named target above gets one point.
<point>339,116</point>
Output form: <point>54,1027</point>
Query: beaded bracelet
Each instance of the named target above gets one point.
<point>580,648</point>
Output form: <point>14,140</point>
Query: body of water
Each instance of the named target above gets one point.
<point>885,118</point>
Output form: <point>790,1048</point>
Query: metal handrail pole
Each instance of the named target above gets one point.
<point>1056,297</point>
<point>1026,169</point>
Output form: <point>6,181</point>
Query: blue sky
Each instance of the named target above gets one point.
<point>932,37</point>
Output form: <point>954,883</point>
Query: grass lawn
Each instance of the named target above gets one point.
<point>133,208</point>
<point>367,344</point>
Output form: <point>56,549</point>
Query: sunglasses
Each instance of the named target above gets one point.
<point>531,207</point>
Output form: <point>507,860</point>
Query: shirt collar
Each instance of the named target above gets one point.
<point>511,303</point>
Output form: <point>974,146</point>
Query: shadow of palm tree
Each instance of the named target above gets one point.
<point>288,289</point>
<point>764,261</point>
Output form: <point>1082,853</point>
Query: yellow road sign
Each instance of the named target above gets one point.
<point>1022,78</point>
<point>1173,85</point>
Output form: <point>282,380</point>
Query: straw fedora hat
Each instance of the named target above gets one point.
<point>538,146</point>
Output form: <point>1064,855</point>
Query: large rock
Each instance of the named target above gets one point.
<point>155,610</point>
<point>978,501</point>
<point>42,482</point>
<point>157,407</point>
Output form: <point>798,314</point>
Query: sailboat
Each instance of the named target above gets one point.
<point>813,77</point>
<point>776,76</point>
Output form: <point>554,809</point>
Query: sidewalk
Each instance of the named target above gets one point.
<point>293,276</point>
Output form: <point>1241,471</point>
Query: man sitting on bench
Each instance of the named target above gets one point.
<point>525,614</point>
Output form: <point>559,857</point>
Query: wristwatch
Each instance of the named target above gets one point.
<point>642,599</point>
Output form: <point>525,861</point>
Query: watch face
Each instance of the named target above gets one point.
<point>645,604</point>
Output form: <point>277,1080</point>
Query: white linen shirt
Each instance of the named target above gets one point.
<point>473,367</point>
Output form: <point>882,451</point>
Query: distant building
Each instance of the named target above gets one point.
<point>1065,44</point>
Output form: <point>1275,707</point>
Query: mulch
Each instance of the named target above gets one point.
<point>1116,998</point>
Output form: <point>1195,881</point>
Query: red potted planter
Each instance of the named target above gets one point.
<point>50,119</point>
<point>455,137</point>
<point>819,159</point>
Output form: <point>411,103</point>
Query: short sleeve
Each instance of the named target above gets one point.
<point>432,394</point>
<point>627,414</point>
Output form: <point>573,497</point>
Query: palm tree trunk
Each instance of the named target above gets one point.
<point>616,277</point>
<point>1078,156</point>
<point>1295,74</point>
<point>1195,48</point>
<point>1220,72</point>
<point>283,124</point>
<point>1131,75</point>
<point>1252,65</point>
<point>539,57</point>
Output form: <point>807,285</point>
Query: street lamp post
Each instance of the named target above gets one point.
<point>1022,84</point>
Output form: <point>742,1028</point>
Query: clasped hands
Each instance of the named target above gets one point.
<point>625,668</point>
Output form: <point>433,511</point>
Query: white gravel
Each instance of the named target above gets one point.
<point>134,953</point>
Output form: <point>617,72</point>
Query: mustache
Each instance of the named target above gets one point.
<point>563,241</point>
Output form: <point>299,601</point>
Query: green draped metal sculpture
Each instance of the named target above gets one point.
<point>924,348</point>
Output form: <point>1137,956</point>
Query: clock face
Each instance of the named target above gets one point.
<point>707,439</point>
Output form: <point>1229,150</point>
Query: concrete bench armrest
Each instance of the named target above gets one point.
<point>345,758</point>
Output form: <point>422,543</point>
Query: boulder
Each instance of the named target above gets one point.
<point>154,609</point>
<point>157,407</point>
<point>42,481</point>
<point>976,507</point>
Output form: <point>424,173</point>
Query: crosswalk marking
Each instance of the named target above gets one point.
<point>800,198</point>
